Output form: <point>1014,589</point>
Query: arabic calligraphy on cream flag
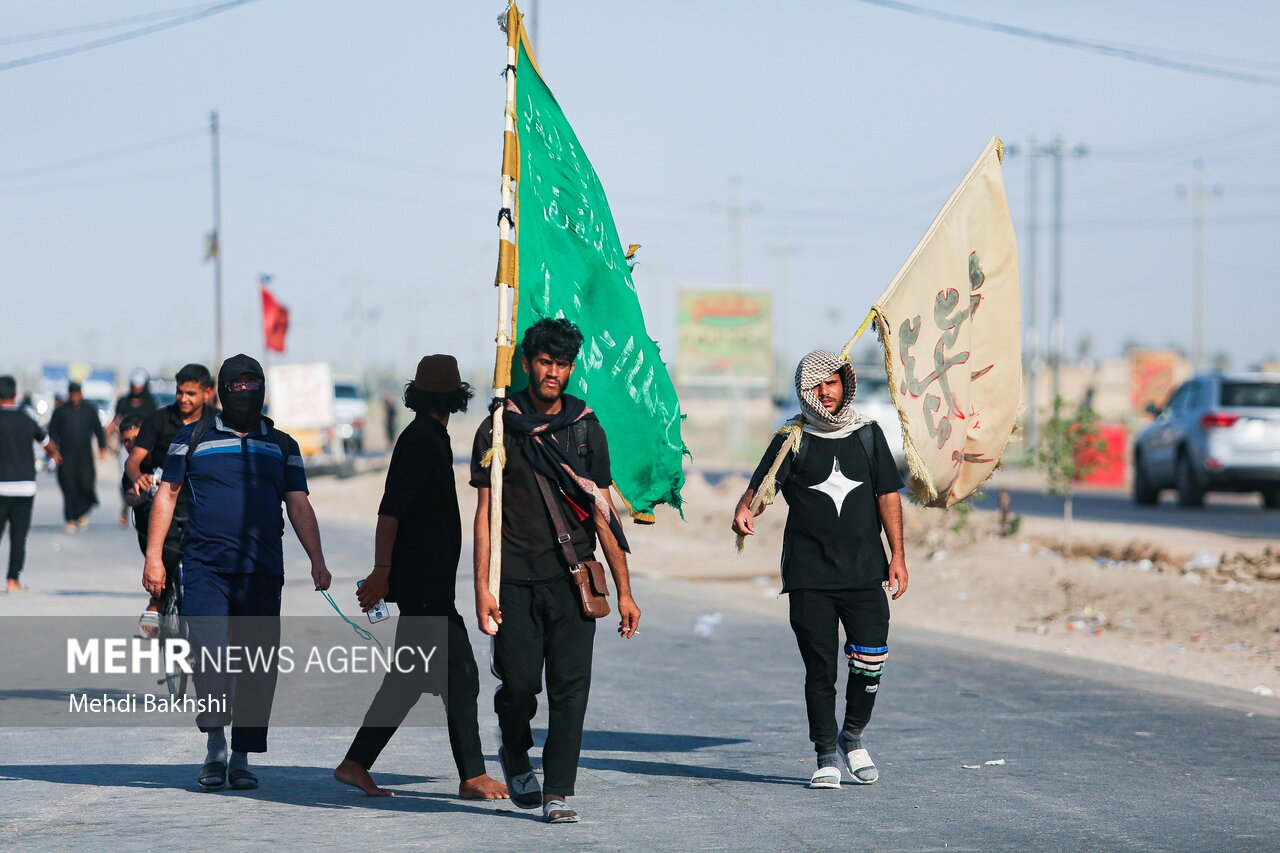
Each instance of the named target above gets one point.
<point>951,323</point>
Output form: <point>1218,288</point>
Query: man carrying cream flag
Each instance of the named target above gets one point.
<point>950,325</point>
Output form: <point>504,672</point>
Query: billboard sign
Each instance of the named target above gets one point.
<point>300,395</point>
<point>726,334</point>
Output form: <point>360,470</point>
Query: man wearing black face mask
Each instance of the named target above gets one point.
<point>237,469</point>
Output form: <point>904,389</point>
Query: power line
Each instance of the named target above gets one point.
<point>101,156</point>
<point>119,37</point>
<point>264,176</point>
<point>102,25</point>
<point>1177,147</point>
<point>348,154</point>
<point>1144,56</point>
<point>108,181</point>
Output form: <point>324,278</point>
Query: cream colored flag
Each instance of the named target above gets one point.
<point>950,322</point>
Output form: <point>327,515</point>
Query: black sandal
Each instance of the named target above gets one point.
<point>212,775</point>
<point>243,780</point>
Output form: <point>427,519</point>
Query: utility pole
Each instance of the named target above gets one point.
<point>735,230</point>
<point>1033,318</point>
<point>1033,151</point>
<point>1057,150</point>
<point>216,241</point>
<point>782,297</point>
<point>1197,195</point>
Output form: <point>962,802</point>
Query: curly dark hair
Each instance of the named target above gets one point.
<point>438,402</point>
<point>558,338</point>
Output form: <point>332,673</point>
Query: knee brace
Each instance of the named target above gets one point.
<point>866,661</point>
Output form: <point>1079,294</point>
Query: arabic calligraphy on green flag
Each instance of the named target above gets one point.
<point>570,263</point>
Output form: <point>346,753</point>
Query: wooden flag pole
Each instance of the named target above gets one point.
<point>507,289</point>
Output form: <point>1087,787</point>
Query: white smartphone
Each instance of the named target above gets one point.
<point>379,611</point>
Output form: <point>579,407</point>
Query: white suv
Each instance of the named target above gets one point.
<point>1219,432</point>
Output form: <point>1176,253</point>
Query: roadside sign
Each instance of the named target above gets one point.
<point>300,396</point>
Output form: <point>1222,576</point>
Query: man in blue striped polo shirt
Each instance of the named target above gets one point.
<point>237,470</point>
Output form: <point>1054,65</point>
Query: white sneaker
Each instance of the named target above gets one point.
<point>862,770</point>
<point>825,777</point>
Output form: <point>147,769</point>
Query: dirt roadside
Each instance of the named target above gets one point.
<point>1124,596</point>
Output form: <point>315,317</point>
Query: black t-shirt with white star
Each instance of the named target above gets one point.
<point>832,538</point>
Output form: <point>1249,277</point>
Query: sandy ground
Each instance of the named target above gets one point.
<point>1217,625</point>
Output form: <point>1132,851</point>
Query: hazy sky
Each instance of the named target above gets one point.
<point>362,144</point>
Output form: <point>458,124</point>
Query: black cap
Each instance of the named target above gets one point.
<point>238,365</point>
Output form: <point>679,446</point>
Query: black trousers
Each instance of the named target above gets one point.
<point>241,611</point>
<point>543,625</point>
<point>400,692</point>
<point>16,513</point>
<point>77,479</point>
<point>816,617</point>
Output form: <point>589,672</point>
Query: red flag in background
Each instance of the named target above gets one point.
<point>275,317</point>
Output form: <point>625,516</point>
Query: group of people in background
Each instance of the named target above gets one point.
<point>75,426</point>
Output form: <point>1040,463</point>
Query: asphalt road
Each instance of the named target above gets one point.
<point>693,743</point>
<point>1227,514</point>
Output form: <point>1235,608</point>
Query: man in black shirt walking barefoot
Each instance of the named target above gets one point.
<point>841,487</point>
<point>417,544</point>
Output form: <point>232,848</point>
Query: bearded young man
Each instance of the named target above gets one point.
<point>841,488</point>
<point>553,436</point>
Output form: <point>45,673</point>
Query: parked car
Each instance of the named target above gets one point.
<point>350,411</point>
<point>1218,432</point>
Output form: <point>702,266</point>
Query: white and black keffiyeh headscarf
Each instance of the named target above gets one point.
<point>813,368</point>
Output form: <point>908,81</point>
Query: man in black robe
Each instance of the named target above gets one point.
<point>73,428</point>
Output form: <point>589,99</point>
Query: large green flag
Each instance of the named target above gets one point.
<point>570,263</point>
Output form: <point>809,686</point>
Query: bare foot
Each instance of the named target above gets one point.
<point>482,787</point>
<point>350,773</point>
<point>13,586</point>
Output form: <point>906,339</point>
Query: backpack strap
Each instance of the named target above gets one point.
<point>197,435</point>
<point>867,440</point>
<point>578,433</point>
<point>869,448</point>
<point>277,438</point>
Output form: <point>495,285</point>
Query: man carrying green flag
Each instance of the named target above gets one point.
<point>533,550</point>
<point>558,474</point>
